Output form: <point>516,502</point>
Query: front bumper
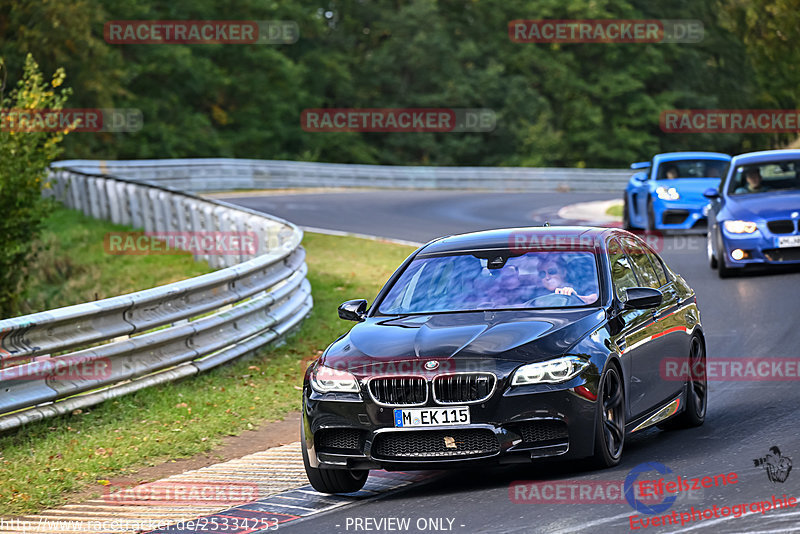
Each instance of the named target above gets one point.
<point>760,248</point>
<point>514,426</point>
<point>679,215</point>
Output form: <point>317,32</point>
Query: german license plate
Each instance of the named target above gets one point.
<point>413,417</point>
<point>789,241</point>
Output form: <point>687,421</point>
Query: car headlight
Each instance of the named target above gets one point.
<point>740,227</point>
<point>549,372</point>
<point>325,379</point>
<point>665,193</point>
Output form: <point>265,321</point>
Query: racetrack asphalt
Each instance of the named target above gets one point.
<point>756,315</point>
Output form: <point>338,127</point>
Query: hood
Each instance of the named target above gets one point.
<point>768,206</point>
<point>510,335</point>
<point>690,189</point>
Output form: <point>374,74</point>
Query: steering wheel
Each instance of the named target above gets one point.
<point>555,299</point>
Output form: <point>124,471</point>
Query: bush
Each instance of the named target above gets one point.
<point>24,157</point>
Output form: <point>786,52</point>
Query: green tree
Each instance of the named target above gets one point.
<point>25,155</point>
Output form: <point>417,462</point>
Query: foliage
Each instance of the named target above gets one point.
<point>586,105</point>
<point>25,156</point>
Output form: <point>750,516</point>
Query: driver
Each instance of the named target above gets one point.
<point>553,275</point>
<point>754,182</point>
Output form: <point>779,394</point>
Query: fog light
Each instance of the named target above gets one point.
<point>737,254</point>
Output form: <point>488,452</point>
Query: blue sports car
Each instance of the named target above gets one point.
<point>668,192</point>
<point>753,217</point>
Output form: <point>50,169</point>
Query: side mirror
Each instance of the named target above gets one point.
<point>353,310</point>
<point>711,193</point>
<point>640,165</point>
<point>640,176</point>
<point>642,298</point>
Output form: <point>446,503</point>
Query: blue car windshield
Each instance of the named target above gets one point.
<point>765,177</point>
<point>541,279</point>
<point>692,168</point>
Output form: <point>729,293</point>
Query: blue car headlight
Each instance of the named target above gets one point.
<point>740,227</point>
<point>549,372</point>
<point>667,193</point>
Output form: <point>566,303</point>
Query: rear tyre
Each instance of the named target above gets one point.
<point>333,480</point>
<point>626,214</point>
<point>697,391</point>
<point>609,436</point>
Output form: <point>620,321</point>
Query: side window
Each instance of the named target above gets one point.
<point>658,267</point>
<point>621,271</point>
<point>641,264</point>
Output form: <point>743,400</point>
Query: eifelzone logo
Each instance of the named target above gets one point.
<point>777,466</point>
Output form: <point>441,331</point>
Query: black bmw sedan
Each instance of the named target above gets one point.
<point>501,347</point>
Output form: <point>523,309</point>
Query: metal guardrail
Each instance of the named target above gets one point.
<point>161,334</point>
<point>220,174</point>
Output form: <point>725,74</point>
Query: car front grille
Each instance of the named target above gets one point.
<point>783,226</point>
<point>782,254</point>
<point>674,216</point>
<point>463,387</point>
<point>339,439</point>
<point>435,444</point>
<point>545,430</point>
<point>399,391</point>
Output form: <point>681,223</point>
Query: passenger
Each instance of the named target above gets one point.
<point>553,275</point>
<point>754,182</point>
<point>671,173</point>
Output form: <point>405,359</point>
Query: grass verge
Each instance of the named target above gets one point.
<point>43,463</point>
<point>72,265</point>
<point>615,210</point>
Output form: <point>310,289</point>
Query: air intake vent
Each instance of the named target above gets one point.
<point>464,387</point>
<point>399,391</point>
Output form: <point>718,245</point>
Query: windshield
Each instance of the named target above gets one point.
<point>464,282</point>
<point>692,168</point>
<point>765,177</point>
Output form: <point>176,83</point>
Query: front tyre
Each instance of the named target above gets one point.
<point>651,215</point>
<point>712,259</point>
<point>609,436</point>
<point>332,480</point>
<point>626,214</point>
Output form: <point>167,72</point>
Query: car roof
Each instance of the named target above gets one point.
<point>585,237</point>
<point>765,156</point>
<point>674,156</point>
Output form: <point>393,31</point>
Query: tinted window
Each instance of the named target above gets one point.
<point>658,267</point>
<point>621,271</point>
<point>765,177</point>
<point>692,168</point>
<point>465,282</point>
<point>641,264</point>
